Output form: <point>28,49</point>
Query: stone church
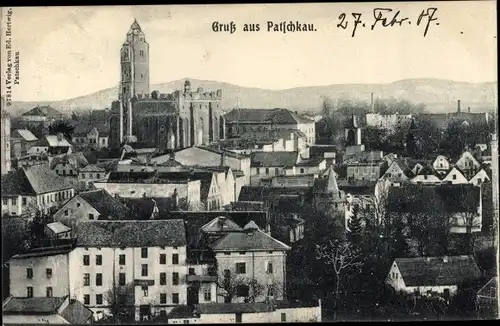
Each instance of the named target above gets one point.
<point>175,120</point>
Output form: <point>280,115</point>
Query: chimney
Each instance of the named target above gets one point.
<point>468,109</point>
<point>223,159</point>
<point>458,106</point>
<point>372,104</point>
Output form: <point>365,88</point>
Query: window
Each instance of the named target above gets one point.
<point>29,273</point>
<point>207,294</point>
<point>267,170</point>
<point>269,269</point>
<point>163,298</point>
<point>121,259</point>
<point>175,259</point>
<point>227,253</point>
<point>163,278</point>
<point>186,321</point>
<point>163,259</point>
<point>144,270</point>
<point>145,290</point>
<point>144,252</point>
<point>98,176</point>
<point>454,177</point>
<point>48,292</point>
<point>91,216</point>
<point>4,201</point>
<point>141,53</point>
<point>86,260</point>
<point>98,279</point>
<point>276,171</point>
<point>121,279</point>
<point>86,279</point>
<point>48,272</point>
<point>241,268</point>
<point>98,298</point>
<point>90,175</point>
<point>78,205</point>
<point>175,297</point>
<point>24,201</point>
<point>191,271</point>
<point>258,171</point>
<point>301,170</point>
<point>83,175</point>
<point>163,313</point>
<point>29,291</point>
<point>242,252</point>
<point>14,201</point>
<point>175,278</point>
<point>86,299</point>
<point>283,317</point>
<point>98,260</point>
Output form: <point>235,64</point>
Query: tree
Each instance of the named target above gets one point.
<point>233,285</point>
<point>121,302</point>
<point>468,217</point>
<point>356,227</point>
<point>36,228</point>
<point>62,127</point>
<point>341,255</point>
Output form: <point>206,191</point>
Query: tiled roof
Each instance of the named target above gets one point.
<point>92,168</point>
<point>314,161</point>
<point>106,205</point>
<point>25,134</point>
<point>249,240</point>
<point>77,160</point>
<point>77,313</point>
<point>52,141</point>
<point>247,206</point>
<point>58,227</point>
<point>274,159</point>
<point>35,179</point>
<point>152,233</point>
<point>140,208</point>
<point>46,111</point>
<point>266,193</point>
<point>45,251</point>
<point>433,271</point>
<point>40,305</point>
<point>489,290</point>
<point>221,224</point>
<point>276,116</point>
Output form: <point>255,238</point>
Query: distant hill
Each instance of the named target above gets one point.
<point>438,95</point>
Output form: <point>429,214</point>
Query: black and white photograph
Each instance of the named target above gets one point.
<point>249,163</point>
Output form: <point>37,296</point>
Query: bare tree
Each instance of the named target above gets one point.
<point>342,256</point>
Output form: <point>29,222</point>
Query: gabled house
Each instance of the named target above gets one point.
<point>91,173</point>
<point>424,276</point>
<point>69,165</point>
<point>52,144</point>
<point>482,176</point>
<point>45,114</point>
<point>95,136</point>
<point>455,176</point>
<point>21,141</point>
<point>252,254</point>
<point>50,310</point>
<point>267,165</point>
<point>441,164</point>
<point>92,205</point>
<point>468,164</point>
<point>427,175</point>
<point>398,172</point>
<point>33,188</point>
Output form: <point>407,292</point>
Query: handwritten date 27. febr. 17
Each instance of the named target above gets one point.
<point>387,17</point>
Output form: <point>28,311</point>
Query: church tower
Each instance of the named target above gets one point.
<point>134,64</point>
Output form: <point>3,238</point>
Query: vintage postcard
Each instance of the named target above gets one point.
<point>250,163</point>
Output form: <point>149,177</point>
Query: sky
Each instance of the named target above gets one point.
<point>66,52</point>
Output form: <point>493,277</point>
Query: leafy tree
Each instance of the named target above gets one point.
<point>232,285</point>
<point>36,228</point>
<point>356,227</point>
<point>62,127</point>
<point>121,302</point>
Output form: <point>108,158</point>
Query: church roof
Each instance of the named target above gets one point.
<point>135,25</point>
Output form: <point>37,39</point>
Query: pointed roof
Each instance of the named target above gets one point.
<point>331,185</point>
<point>248,241</point>
<point>221,223</point>
<point>135,25</point>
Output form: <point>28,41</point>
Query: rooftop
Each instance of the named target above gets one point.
<point>107,205</point>
<point>250,239</point>
<point>437,271</point>
<point>276,116</point>
<point>131,234</point>
<point>46,111</point>
<point>25,134</point>
<point>274,159</point>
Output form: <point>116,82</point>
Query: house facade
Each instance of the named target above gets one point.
<point>21,141</point>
